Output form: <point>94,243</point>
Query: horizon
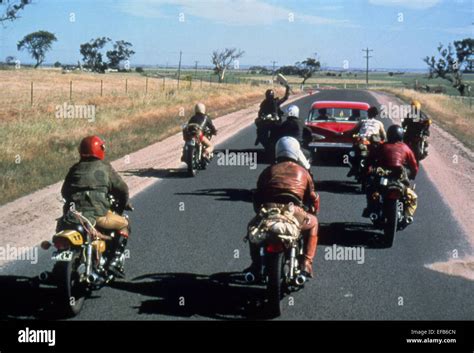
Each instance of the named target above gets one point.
<point>401,32</point>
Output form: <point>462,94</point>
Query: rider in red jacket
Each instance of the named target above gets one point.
<point>395,155</point>
<point>287,176</point>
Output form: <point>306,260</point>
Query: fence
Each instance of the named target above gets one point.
<point>132,86</point>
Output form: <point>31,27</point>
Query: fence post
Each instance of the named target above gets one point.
<point>31,94</point>
<point>70,90</point>
<point>164,82</point>
<point>101,87</point>
<point>201,82</point>
<point>146,86</point>
<point>126,86</point>
<point>210,79</point>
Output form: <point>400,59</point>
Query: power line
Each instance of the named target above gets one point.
<point>367,56</point>
<point>274,62</point>
<point>179,67</point>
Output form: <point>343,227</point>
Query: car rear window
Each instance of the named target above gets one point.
<point>336,114</point>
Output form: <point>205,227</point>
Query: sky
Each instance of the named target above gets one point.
<point>400,32</point>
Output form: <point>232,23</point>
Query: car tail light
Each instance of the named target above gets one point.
<point>61,243</point>
<point>274,247</point>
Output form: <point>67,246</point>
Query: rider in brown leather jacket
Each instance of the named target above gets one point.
<point>289,177</point>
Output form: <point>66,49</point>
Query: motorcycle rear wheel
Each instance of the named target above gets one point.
<point>192,169</point>
<point>391,220</point>
<point>72,293</point>
<point>275,283</point>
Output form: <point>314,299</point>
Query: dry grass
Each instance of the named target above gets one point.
<point>37,148</point>
<point>448,112</point>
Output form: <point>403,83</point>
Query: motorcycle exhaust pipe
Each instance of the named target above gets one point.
<point>249,277</point>
<point>300,279</point>
<point>373,217</point>
<point>43,276</point>
<point>94,278</point>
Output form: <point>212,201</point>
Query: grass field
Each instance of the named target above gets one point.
<point>447,111</point>
<point>37,147</point>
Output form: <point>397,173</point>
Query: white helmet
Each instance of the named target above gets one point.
<point>289,147</point>
<point>293,110</point>
<point>200,108</point>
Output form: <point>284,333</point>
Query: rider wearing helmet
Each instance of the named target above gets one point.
<point>290,147</point>
<point>295,127</point>
<point>271,104</point>
<point>395,155</point>
<point>87,188</point>
<point>287,176</point>
<point>207,127</point>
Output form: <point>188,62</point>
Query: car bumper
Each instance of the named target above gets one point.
<point>330,145</point>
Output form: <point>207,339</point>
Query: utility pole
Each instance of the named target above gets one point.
<point>196,67</point>
<point>179,66</point>
<point>367,66</point>
<point>273,71</point>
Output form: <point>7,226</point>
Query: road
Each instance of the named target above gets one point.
<point>186,252</point>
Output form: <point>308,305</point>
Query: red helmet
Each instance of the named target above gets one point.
<point>92,146</point>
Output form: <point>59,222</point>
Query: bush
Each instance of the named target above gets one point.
<point>57,64</point>
<point>139,69</point>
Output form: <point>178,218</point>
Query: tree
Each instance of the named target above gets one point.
<point>452,61</point>
<point>92,56</point>
<point>37,44</point>
<point>10,60</point>
<point>10,8</point>
<point>223,59</point>
<point>289,70</point>
<point>307,68</point>
<point>120,52</point>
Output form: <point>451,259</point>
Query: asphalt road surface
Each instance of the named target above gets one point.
<point>187,250</point>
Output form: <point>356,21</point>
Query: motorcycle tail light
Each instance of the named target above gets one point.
<point>394,194</point>
<point>275,247</point>
<point>375,196</point>
<point>61,243</point>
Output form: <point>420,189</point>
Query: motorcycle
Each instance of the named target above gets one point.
<point>418,141</point>
<point>387,195</point>
<point>193,148</point>
<point>277,234</point>
<point>358,158</point>
<point>267,126</point>
<point>83,253</point>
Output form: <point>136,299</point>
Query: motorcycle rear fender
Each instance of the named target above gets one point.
<point>74,237</point>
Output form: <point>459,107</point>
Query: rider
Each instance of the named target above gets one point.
<point>295,127</point>
<point>200,118</point>
<point>370,128</point>
<point>414,122</point>
<point>269,106</point>
<point>86,189</point>
<point>396,155</point>
<point>287,176</point>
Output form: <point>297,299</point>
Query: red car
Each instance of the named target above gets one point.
<point>327,119</point>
